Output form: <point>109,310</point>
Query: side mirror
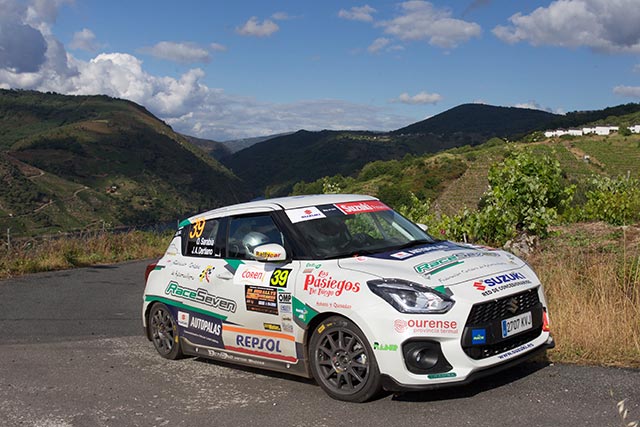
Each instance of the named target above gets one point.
<point>423,227</point>
<point>269,252</point>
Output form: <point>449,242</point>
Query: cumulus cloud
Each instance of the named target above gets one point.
<point>378,44</point>
<point>258,29</point>
<point>602,25</point>
<point>627,91</point>
<point>84,40</point>
<point>184,52</point>
<point>184,101</point>
<point>418,99</point>
<point>420,20</point>
<point>362,13</point>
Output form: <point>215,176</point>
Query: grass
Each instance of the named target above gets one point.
<point>30,256</point>
<point>591,274</point>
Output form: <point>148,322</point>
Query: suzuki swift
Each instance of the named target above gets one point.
<point>343,289</point>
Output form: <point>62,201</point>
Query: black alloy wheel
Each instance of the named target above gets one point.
<point>164,332</point>
<point>342,361</point>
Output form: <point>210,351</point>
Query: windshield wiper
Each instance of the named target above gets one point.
<point>412,243</point>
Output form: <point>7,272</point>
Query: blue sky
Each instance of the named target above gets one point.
<point>226,70</point>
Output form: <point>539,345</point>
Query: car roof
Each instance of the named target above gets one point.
<point>280,203</point>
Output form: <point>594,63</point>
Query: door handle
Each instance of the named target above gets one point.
<point>225,275</point>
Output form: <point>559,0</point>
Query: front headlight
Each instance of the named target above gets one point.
<point>410,297</point>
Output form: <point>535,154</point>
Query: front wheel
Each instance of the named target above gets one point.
<point>342,361</point>
<point>164,332</point>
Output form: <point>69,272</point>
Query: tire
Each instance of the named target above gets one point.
<point>164,332</point>
<point>342,361</point>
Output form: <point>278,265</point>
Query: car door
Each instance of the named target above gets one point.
<point>263,325</point>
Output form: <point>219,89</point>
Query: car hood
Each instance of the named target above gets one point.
<point>437,264</point>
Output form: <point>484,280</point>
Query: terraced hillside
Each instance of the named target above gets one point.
<point>76,162</point>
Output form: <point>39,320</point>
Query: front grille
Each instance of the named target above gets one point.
<point>489,315</point>
<point>498,309</point>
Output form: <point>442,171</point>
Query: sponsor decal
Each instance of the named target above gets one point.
<point>261,300</point>
<point>426,326</point>
<point>249,274</point>
<point>478,336</point>
<point>420,250</point>
<point>198,228</point>
<point>515,351</point>
<point>351,208</point>
<point>426,269</point>
<point>324,285</point>
<point>201,296</point>
<point>304,214</point>
<point>279,277</point>
<point>501,282</point>
<point>180,275</point>
<point>442,375</point>
<point>206,273</point>
<point>302,312</point>
<point>285,309</point>
<point>233,358</point>
<point>385,347</point>
<point>326,304</point>
<point>284,297</point>
<point>401,255</point>
<point>287,327</point>
<point>310,267</point>
<point>330,210</point>
<point>272,327</point>
<point>260,343</point>
<point>183,319</point>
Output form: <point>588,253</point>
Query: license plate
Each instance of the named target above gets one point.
<point>516,324</point>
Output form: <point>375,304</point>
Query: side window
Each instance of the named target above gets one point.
<point>199,238</point>
<point>245,233</point>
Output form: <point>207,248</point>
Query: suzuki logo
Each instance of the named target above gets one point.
<point>512,306</point>
<point>479,286</point>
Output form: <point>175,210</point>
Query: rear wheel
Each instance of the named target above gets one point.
<point>342,361</point>
<point>164,332</point>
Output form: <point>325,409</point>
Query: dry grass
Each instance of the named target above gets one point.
<point>96,248</point>
<point>591,274</point>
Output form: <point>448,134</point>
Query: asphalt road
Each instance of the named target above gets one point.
<point>73,354</point>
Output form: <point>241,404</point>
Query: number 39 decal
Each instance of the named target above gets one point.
<point>279,277</point>
<point>198,228</point>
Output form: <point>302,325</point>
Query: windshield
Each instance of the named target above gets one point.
<point>355,228</point>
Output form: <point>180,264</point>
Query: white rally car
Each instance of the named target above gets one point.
<point>343,289</point>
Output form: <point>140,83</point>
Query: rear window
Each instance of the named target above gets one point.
<point>199,238</point>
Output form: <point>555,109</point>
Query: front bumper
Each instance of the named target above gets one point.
<point>390,384</point>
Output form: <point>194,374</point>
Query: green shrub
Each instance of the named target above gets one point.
<point>614,200</point>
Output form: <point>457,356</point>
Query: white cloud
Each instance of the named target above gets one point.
<point>420,20</point>
<point>185,101</point>
<point>378,44</point>
<point>217,47</point>
<point>254,28</point>
<point>185,52</point>
<point>420,98</point>
<point>627,91</point>
<point>84,40</point>
<point>602,25</point>
<point>282,16</point>
<point>363,13</point>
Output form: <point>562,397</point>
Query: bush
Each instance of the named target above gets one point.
<point>614,200</point>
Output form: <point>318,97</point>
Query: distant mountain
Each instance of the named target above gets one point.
<point>77,161</point>
<point>484,121</point>
<point>215,149</point>
<point>272,167</point>
<point>236,145</point>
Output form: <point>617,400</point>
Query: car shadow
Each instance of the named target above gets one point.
<point>453,392</point>
<point>482,385</point>
<point>257,371</point>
